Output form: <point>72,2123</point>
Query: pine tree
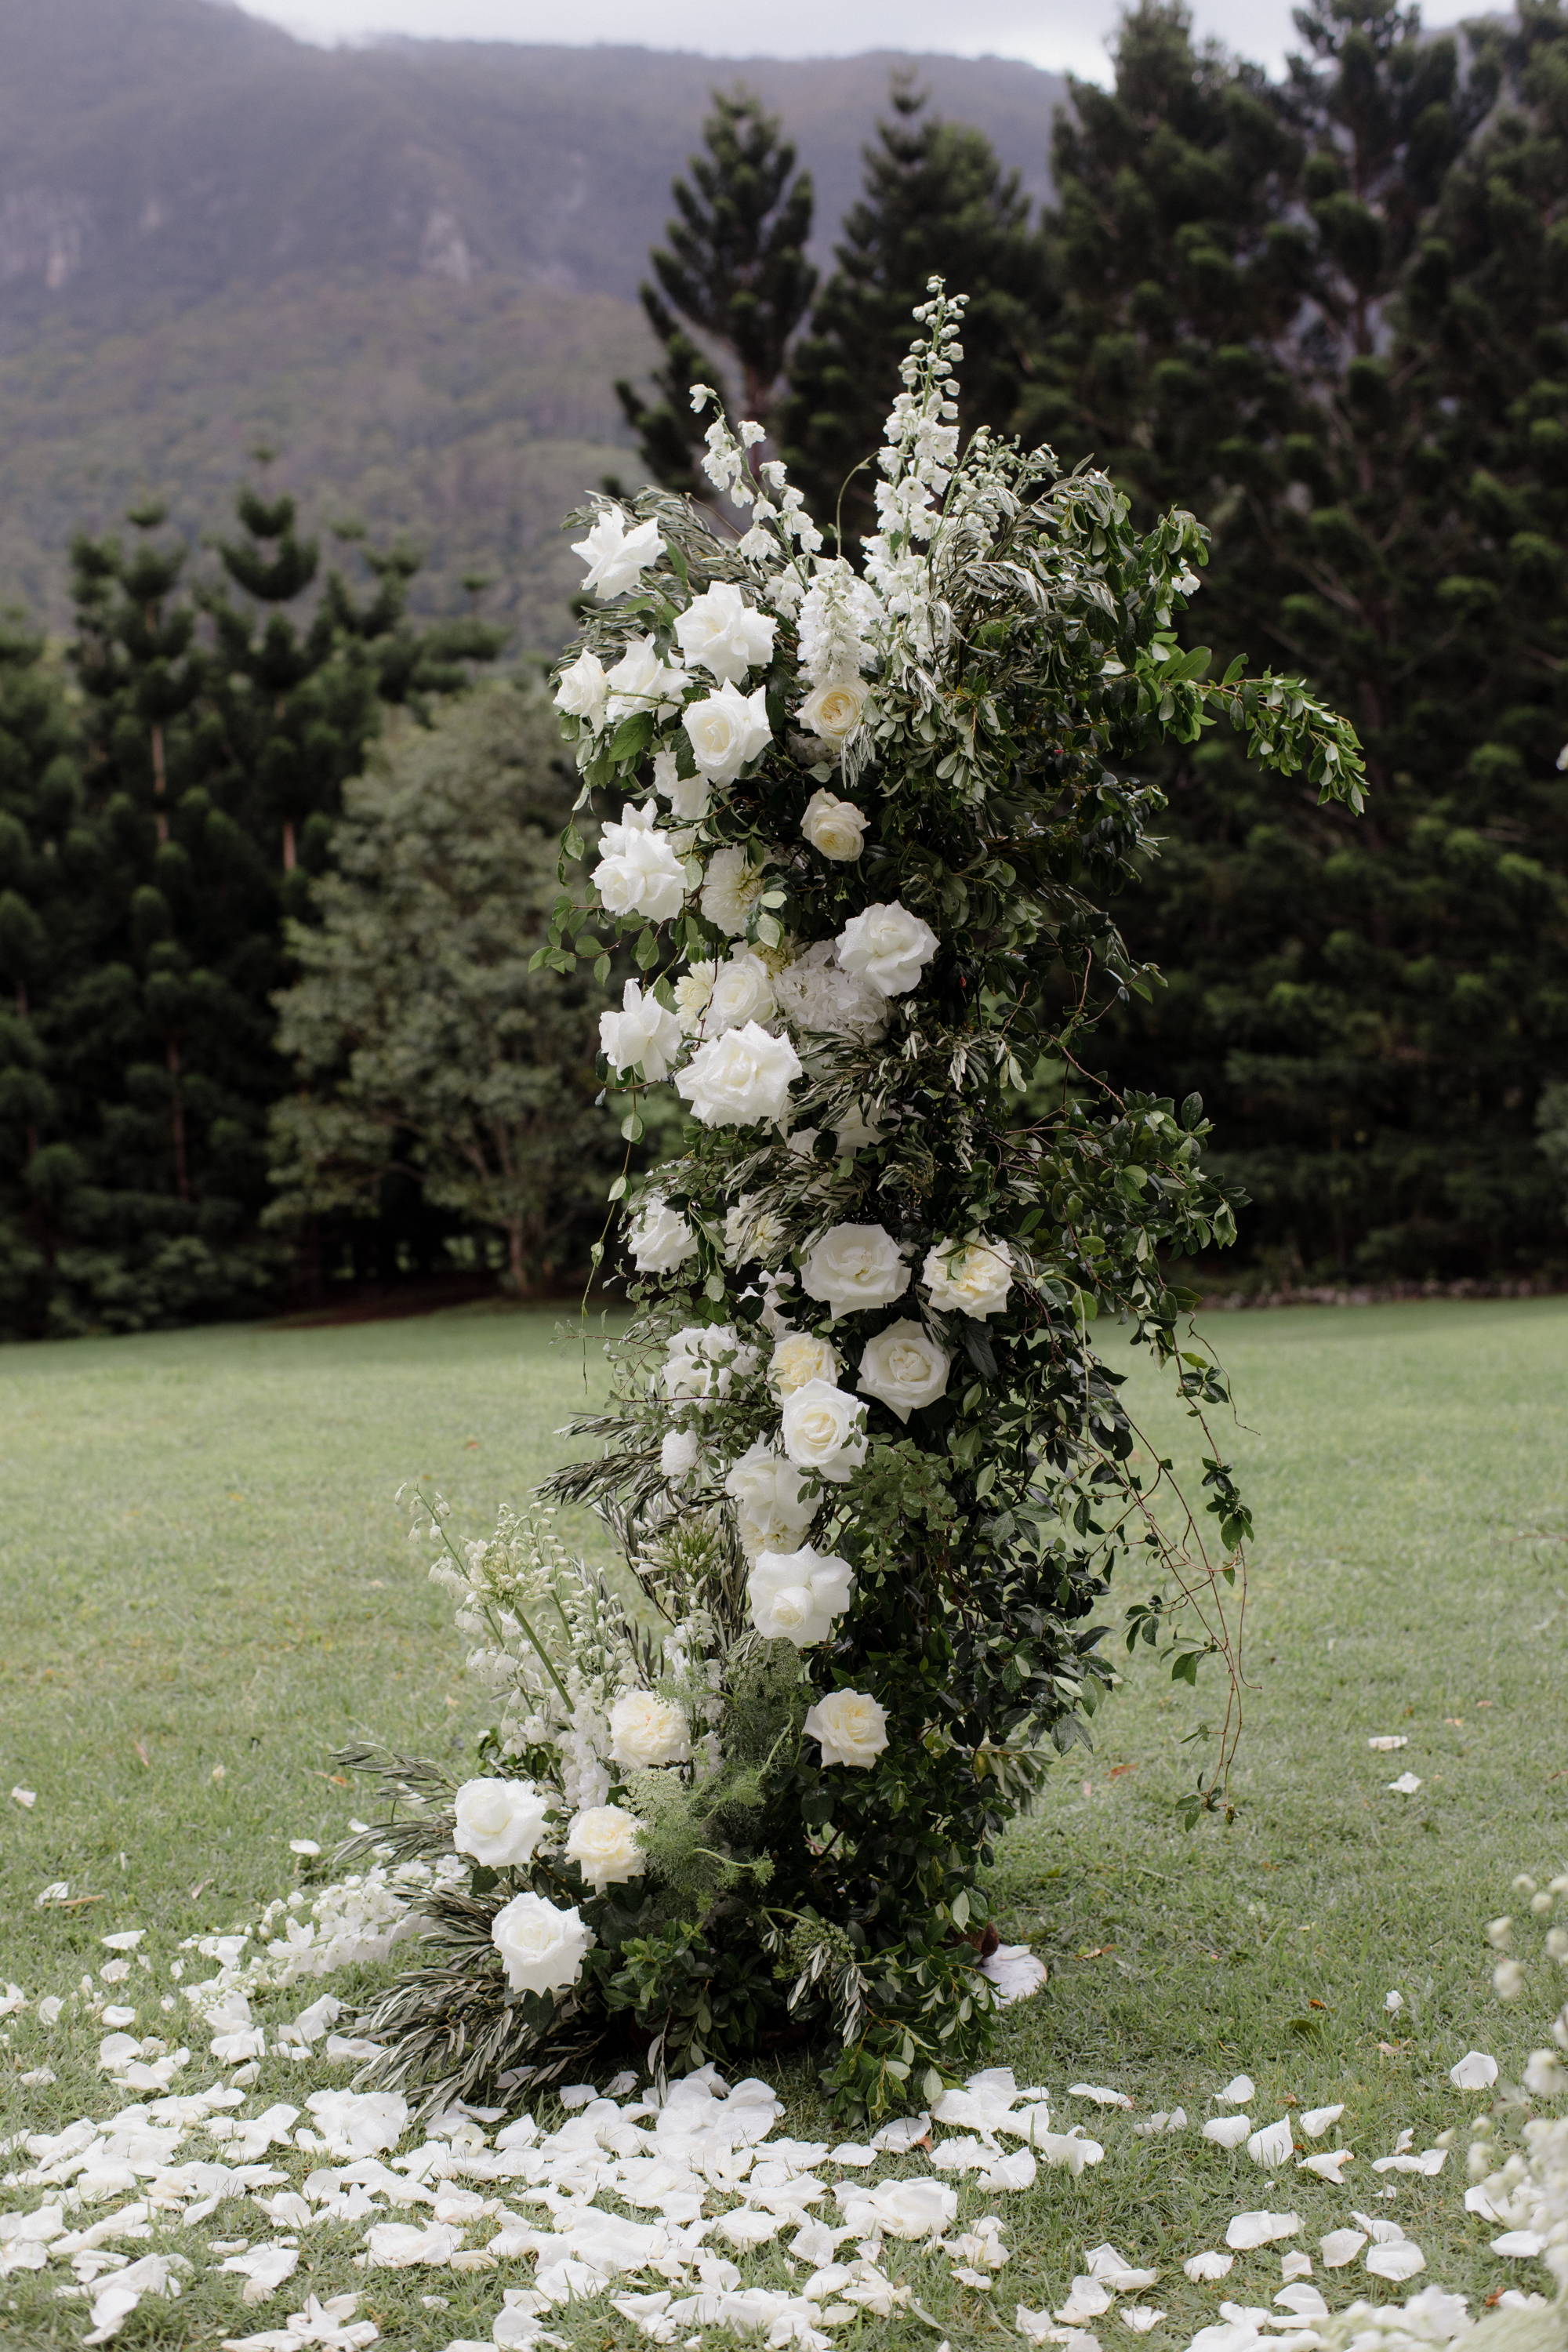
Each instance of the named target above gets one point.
<point>47,897</point>
<point>425,1048</point>
<point>734,273</point>
<point>935,199</point>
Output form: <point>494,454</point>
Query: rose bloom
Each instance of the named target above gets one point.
<point>679,1455</point>
<point>726,730</point>
<point>903,1368</point>
<point>604,1842</point>
<point>638,872</point>
<point>583,690</point>
<point>812,993</point>
<point>640,681</point>
<point>646,1730</point>
<point>835,711</point>
<point>730,890</point>
<point>723,634</point>
<point>850,1728</point>
<point>837,828</point>
<point>702,1361</point>
<point>969,1277</point>
<point>855,1266</point>
<point>740,1078</point>
<point>824,1429</point>
<point>499,1822</point>
<point>742,991</point>
<point>800,1357</point>
<point>795,1596</point>
<point>886,947</point>
<point>689,797</point>
<point>660,1239</point>
<point>542,1949</point>
<point>616,556</point>
<point>643,1035</point>
<point>750,1232</point>
<point>772,1511</point>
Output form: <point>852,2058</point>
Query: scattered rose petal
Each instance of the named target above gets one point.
<point>1140,2317</point>
<point>1475,2072</point>
<point>1406,1786</point>
<point>1236,2091</point>
<point>1273,2145</point>
<point>1250,2229</point>
<point>1098,2094</point>
<point>26,1798</point>
<point>1207,2266</point>
<point>1228,2131</point>
<point>1341,2246</point>
<point>1387,1741</point>
<point>1521,2245</point>
<point>1330,2166</point>
<point>1395,2263</point>
<point>1316,2121</point>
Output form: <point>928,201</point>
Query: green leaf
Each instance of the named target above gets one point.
<point>631,738</point>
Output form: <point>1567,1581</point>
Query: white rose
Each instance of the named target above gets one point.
<point>795,1596</point>
<point>604,1842</point>
<point>921,2208</point>
<point>646,1730</point>
<point>824,1430</point>
<point>722,634</point>
<point>679,1455</point>
<point>851,1727</point>
<point>660,1239</point>
<point>542,1949</point>
<point>838,828</point>
<point>614,555</point>
<point>904,1369</point>
<point>640,681</point>
<point>969,1277</point>
<point>742,991</point>
<point>750,1232</point>
<point>583,690</point>
<point>740,1078</point>
<point>727,729</point>
<point>689,797</point>
<point>886,947</point>
<point>701,1363</point>
<point>800,1357</point>
<point>499,1822</point>
<point>643,1035</point>
<point>730,890</point>
<point>772,1512</point>
<point>834,711</point>
<point>855,1266</point>
<point>639,872</point>
<point>812,993</point>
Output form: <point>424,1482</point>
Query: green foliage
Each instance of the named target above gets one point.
<point>735,273</point>
<point>422,1042</point>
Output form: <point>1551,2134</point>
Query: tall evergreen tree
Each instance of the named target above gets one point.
<point>935,198</point>
<point>734,273</point>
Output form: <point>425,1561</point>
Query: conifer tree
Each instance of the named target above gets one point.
<point>734,273</point>
<point>935,198</point>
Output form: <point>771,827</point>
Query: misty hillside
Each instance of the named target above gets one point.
<point>410,267</point>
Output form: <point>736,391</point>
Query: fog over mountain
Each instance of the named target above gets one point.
<point>410,266</point>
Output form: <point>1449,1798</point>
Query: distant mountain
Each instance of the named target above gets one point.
<point>207,224</point>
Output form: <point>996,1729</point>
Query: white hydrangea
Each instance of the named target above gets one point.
<point>702,1364</point>
<point>730,890</point>
<point>814,992</point>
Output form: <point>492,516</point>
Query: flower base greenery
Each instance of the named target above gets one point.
<point>867,1477</point>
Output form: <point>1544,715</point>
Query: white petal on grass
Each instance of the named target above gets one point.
<point>1475,2072</point>
<point>1228,2131</point>
<point>1294,2267</point>
<point>1330,2166</point>
<point>1140,2318</point>
<point>1339,2247</point>
<point>1386,1742</point>
<point>1406,1786</point>
<point>125,1941</point>
<point>1098,2094</point>
<point>1014,1971</point>
<point>1316,2121</point>
<point>1519,2245</point>
<point>1273,2145</point>
<point>1395,2263</point>
<point>1236,2091</point>
<point>1208,2265</point>
<point>26,1798</point>
<point>1249,2231</point>
<point>1303,2301</point>
<point>263,2269</point>
<point>306,1846</point>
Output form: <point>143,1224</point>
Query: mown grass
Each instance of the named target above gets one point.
<point>203,1567</point>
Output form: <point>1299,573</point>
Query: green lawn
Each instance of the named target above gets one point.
<point>205,1574</point>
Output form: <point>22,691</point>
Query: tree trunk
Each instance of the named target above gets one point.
<point>517,1265</point>
<point>291,855</point>
<point>177,1119</point>
<point>160,784</point>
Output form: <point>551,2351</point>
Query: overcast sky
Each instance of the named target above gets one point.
<point>1060,33</point>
